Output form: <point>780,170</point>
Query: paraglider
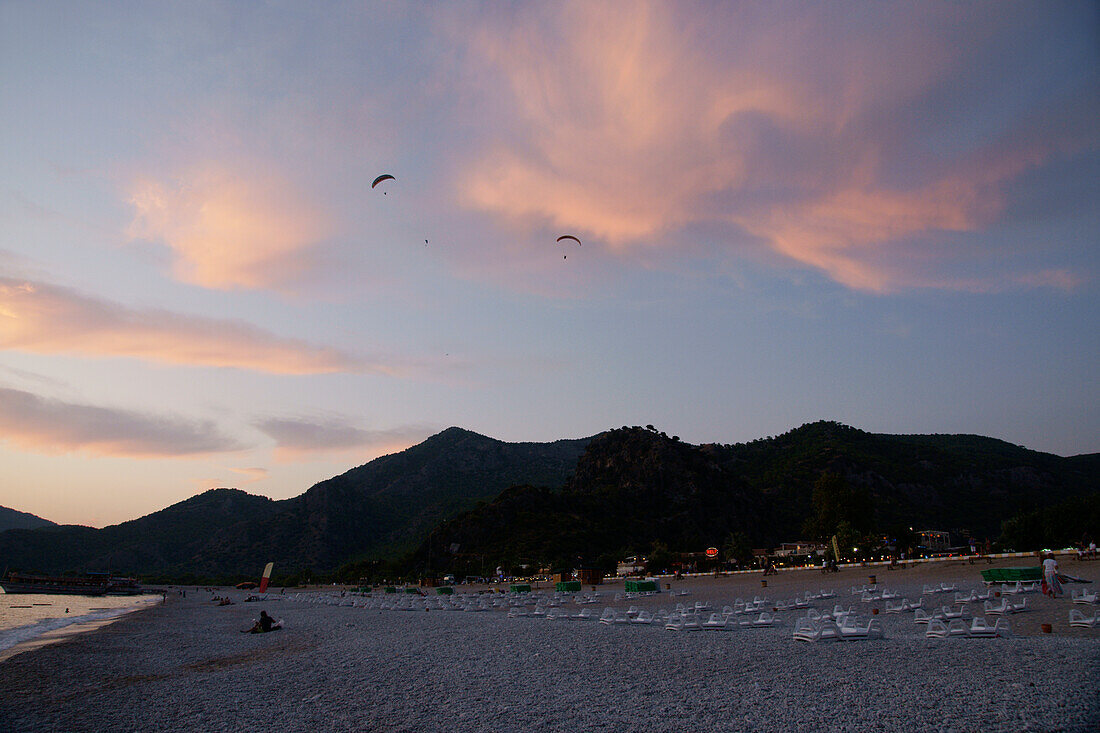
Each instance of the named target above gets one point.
<point>568,236</point>
<point>383,177</point>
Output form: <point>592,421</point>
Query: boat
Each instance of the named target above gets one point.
<point>118,586</point>
<point>78,585</point>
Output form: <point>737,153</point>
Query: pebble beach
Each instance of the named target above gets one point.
<point>184,665</point>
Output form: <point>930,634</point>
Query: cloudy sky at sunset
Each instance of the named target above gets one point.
<point>886,214</point>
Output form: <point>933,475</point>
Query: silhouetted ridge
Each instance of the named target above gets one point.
<point>460,498</point>
<point>379,509</point>
<point>635,489</point>
<point>12,519</point>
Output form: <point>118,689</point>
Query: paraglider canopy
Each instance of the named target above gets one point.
<point>383,177</point>
<point>568,236</point>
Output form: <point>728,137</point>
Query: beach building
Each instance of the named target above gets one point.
<point>589,575</point>
<point>934,540</point>
<point>787,549</point>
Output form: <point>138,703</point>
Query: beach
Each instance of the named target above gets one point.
<point>184,665</point>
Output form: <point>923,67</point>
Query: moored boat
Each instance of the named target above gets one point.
<point>79,585</point>
<point>123,587</point>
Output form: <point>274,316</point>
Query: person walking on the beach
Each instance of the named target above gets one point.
<point>1050,576</point>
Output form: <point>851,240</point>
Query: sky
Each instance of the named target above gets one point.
<point>885,214</point>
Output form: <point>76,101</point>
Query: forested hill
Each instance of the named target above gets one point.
<point>462,495</point>
<point>11,519</point>
<point>635,487</point>
<point>379,509</point>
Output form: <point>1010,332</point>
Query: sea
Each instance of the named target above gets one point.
<point>26,618</point>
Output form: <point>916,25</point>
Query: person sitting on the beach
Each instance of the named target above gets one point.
<point>263,625</point>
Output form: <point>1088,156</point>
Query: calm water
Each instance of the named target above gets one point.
<point>24,617</point>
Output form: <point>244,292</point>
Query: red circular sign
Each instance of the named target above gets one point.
<point>712,552</point>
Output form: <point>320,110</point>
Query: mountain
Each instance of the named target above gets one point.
<point>964,483</point>
<point>11,519</point>
<point>635,487</point>
<point>177,539</point>
<point>379,509</point>
<point>462,500</point>
<point>632,487</point>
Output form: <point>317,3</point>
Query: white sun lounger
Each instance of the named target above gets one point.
<point>920,616</point>
<point>1084,597</point>
<point>979,629</point>
<point>937,629</point>
<point>764,619</point>
<point>812,630</point>
<point>679,622</point>
<point>1076,618</point>
<point>852,630</point>
<point>614,616</point>
<point>716,622</point>
<point>948,613</point>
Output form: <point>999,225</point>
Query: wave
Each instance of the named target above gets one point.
<point>19,634</point>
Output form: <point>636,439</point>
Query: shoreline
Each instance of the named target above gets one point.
<point>72,629</point>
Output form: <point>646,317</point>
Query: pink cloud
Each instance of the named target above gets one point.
<point>824,135</point>
<point>252,474</point>
<point>229,229</point>
<point>297,437</point>
<point>53,426</point>
<point>242,477</point>
<point>47,319</point>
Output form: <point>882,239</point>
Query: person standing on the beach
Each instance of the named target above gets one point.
<point>1050,575</point>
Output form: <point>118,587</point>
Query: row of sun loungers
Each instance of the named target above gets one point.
<point>976,629</point>
<point>826,629</point>
<point>941,588</point>
<point>719,622</point>
<point>947,613</point>
<point>817,626</point>
<point>904,605</point>
<point>1006,606</point>
<point>1019,587</point>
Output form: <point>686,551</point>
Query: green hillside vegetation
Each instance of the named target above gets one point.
<point>637,491</point>
<point>464,503</point>
<point>377,510</point>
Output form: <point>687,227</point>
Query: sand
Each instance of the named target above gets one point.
<point>185,666</point>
